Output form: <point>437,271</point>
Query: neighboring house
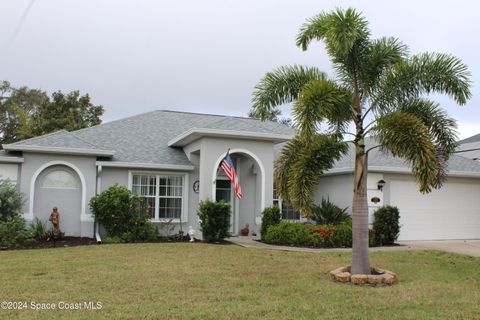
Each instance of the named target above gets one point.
<point>170,159</point>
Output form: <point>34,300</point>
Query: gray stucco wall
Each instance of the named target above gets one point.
<point>337,188</point>
<point>211,152</point>
<point>31,168</point>
<point>110,176</point>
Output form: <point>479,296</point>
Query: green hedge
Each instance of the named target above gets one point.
<point>306,235</point>
<point>118,210</point>
<point>215,220</point>
<point>13,232</point>
<point>11,200</point>
<point>386,225</point>
<point>270,217</point>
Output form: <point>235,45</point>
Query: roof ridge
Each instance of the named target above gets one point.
<point>223,116</point>
<point>116,120</point>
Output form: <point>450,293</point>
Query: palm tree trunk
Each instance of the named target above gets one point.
<point>360,259</point>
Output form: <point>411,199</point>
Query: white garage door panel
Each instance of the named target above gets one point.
<point>452,212</point>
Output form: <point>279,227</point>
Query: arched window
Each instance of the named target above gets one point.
<point>60,179</point>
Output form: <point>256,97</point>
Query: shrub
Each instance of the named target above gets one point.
<point>11,200</point>
<point>291,233</point>
<point>109,240</point>
<point>141,231</point>
<point>118,210</point>
<point>342,235</point>
<point>270,217</point>
<point>329,213</point>
<point>296,234</point>
<point>38,230</point>
<point>215,220</point>
<point>386,226</point>
<point>13,232</point>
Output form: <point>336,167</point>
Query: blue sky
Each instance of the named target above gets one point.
<point>205,56</point>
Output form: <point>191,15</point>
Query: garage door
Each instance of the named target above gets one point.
<point>452,212</point>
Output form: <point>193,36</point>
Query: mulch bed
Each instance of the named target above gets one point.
<point>64,242</point>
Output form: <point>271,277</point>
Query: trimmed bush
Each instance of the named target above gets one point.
<point>118,210</point>
<point>13,232</point>
<point>386,225</point>
<point>215,220</point>
<point>328,213</point>
<point>305,235</point>
<point>342,235</point>
<point>11,200</point>
<point>270,216</point>
<point>291,233</point>
<point>141,231</point>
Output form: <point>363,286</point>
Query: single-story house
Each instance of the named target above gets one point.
<point>171,160</point>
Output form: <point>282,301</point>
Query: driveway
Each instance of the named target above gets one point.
<point>468,247</point>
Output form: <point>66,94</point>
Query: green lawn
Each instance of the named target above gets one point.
<point>199,281</point>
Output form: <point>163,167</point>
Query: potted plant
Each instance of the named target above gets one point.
<point>245,231</point>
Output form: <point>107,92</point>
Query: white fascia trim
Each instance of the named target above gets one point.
<point>451,173</point>
<point>196,133</point>
<point>11,159</point>
<point>145,165</point>
<point>80,151</point>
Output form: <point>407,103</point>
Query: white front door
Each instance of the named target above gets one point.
<point>224,191</point>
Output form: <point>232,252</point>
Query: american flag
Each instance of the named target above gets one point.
<point>229,170</point>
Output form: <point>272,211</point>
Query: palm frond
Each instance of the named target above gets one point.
<point>424,74</point>
<point>281,86</point>
<point>283,165</point>
<point>406,136</point>
<point>322,100</point>
<point>378,56</point>
<point>440,125</point>
<point>315,158</point>
<point>339,29</point>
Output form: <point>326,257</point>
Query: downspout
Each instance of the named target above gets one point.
<point>96,228</point>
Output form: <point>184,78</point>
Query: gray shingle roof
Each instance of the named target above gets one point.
<point>473,150</point>
<point>62,138</point>
<point>378,158</point>
<point>475,138</point>
<point>143,138</point>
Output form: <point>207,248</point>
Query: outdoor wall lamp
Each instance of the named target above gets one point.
<point>380,184</point>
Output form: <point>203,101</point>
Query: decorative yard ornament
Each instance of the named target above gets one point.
<point>191,234</point>
<point>55,220</point>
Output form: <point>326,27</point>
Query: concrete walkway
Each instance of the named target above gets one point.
<point>468,247</point>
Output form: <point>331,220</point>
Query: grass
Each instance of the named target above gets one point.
<point>200,281</point>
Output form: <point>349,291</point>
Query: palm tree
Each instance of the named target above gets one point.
<point>379,90</point>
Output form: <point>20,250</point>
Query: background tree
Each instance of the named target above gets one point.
<point>381,92</point>
<point>26,113</point>
<point>17,107</point>
<point>66,111</point>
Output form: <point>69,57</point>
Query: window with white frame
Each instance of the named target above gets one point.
<point>161,195</point>
<point>288,212</point>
